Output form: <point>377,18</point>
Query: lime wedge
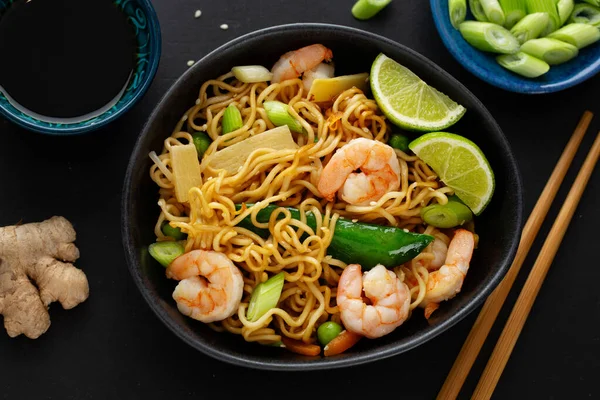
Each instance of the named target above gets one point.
<point>460,164</point>
<point>408,101</point>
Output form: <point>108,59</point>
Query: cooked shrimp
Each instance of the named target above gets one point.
<point>379,166</point>
<point>389,297</point>
<point>447,281</point>
<point>440,251</point>
<point>211,286</point>
<point>293,63</point>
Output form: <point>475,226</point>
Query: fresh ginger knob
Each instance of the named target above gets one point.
<point>40,252</point>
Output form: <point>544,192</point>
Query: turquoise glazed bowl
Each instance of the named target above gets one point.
<point>142,16</point>
<point>484,65</point>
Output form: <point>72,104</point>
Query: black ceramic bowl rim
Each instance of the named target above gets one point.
<point>59,129</point>
<point>475,301</point>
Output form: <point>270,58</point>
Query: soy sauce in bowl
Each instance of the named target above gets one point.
<point>65,61</point>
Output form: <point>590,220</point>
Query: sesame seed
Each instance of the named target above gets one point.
<point>190,63</point>
<point>373,203</point>
<point>405,230</point>
<point>197,101</point>
<point>197,14</point>
<point>184,118</point>
<point>224,27</point>
<point>355,220</point>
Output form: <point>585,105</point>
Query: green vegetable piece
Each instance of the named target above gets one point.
<point>201,142</point>
<point>265,296</point>
<point>523,64</point>
<point>490,37</point>
<point>166,252</point>
<point>586,14</point>
<point>399,141</point>
<point>565,8</point>
<point>530,27</point>
<point>549,7</point>
<point>550,50</point>
<point>493,11</point>
<point>356,242</point>
<point>457,10</point>
<point>579,35</point>
<point>328,331</point>
<point>593,2</point>
<point>366,9</point>
<point>453,213</point>
<point>232,120</point>
<point>278,114</point>
<point>477,10</point>
<point>514,11</point>
<point>175,233</point>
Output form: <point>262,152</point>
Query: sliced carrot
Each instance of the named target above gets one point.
<point>299,347</point>
<point>341,343</point>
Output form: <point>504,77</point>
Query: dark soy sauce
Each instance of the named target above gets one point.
<point>65,58</point>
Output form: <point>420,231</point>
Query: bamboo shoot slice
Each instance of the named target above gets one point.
<point>186,170</point>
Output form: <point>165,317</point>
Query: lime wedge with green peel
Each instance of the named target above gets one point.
<point>408,101</point>
<point>460,164</point>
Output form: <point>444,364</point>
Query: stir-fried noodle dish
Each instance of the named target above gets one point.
<point>289,216</point>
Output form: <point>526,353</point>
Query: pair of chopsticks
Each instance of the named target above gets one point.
<point>493,305</point>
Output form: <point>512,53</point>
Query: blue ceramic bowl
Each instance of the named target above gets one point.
<point>142,16</point>
<point>484,65</point>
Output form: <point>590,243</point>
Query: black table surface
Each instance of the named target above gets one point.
<point>113,346</point>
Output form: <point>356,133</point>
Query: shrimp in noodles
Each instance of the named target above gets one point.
<point>447,281</point>
<point>389,297</point>
<point>294,63</point>
<point>211,285</point>
<point>379,166</point>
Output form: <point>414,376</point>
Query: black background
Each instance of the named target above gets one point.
<point>113,346</point>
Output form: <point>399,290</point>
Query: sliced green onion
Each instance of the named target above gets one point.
<point>523,64</point>
<point>251,73</point>
<point>449,215</point>
<point>493,11</point>
<point>265,296</point>
<point>477,10</point>
<point>365,9</point>
<point>399,141</point>
<point>166,252</point>
<point>490,37</point>
<point>278,114</point>
<point>547,6</point>
<point>201,142</point>
<point>593,2</point>
<point>514,11</point>
<point>530,27</point>
<point>579,35</point>
<point>550,50</point>
<point>586,14</point>
<point>457,10</point>
<point>175,233</point>
<point>564,8</point>
<point>232,120</point>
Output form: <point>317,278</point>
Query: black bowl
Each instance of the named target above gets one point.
<point>499,226</point>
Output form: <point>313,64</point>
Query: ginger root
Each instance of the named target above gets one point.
<point>32,252</point>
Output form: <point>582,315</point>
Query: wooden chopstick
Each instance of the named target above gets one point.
<point>488,314</point>
<point>514,325</point>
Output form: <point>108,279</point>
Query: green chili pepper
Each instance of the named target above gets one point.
<point>357,242</point>
<point>201,141</point>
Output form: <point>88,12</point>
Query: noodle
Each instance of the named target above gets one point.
<point>288,178</point>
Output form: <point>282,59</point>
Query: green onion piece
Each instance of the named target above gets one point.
<point>265,296</point>
<point>201,142</point>
<point>175,233</point>
<point>523,64</point>
<point>490,37</point>
<point>565,8</point>
<point>550,50</point>
<point>399,141</point>
<point>279,115</point>
<point>328,331</point>
<point>530,27</point>
<point>586,14</point>
<point>449,215</point>
<point>251,73</point>
<point>593,2</point>
<point>514,11</point>
<point>232,120</point>
<point>457,10</point>
<point>579,35</point>
<point>547,6</point>
<point>493,11</point>
<point>477,10</point>
<point>166,252</point>
<point>365,9</point>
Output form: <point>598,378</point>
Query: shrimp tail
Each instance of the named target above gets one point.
<point>430,308</point>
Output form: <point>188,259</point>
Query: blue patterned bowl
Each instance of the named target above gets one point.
<point>142,16</point>
<point>484,65</point>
